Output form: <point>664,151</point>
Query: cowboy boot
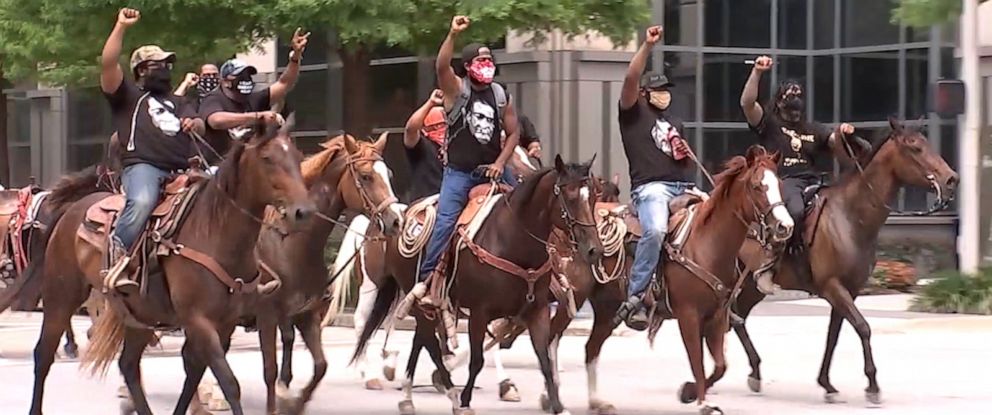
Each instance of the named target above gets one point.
<point>763,275</point>
<point>633,314</point>
<point>417,293</point>
<point>117,274</point>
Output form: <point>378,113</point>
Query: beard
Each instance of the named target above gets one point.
<point>791,109</point>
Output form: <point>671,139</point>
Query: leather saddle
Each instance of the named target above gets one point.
<point>177,195</point>
<point>415,216</point>
<point>677,215</point>
<point>814,208</point>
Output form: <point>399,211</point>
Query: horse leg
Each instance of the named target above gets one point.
<point>309,326</point>
<point>602,328</point>
<point>267,326</point>
<point>843,301</point>
<point>135,341</point>
<point>833,332</point>
<point>691,329</point>
<point>507,389</point>
<point>441,376</point>
<point>754,379</point>
<point>367,294</point>
<point>211,345</point>
<point>547,355</point>
<point>288,333</point>
<point>55,320</point>
<point>715,336</point>
<point>71,349</point>
<point>406,406</point>
<point>476,335</point>
<point>194,367</point>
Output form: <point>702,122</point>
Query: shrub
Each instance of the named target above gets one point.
<point>959,293</point>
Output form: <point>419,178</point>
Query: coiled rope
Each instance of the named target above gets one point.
<point>411,242</point>
<point>612,231</point>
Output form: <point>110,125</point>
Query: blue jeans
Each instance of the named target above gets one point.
<point>455,185</point>
<point>651,201</point>
<point>142,189</point>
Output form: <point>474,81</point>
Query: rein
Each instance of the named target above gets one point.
<point>939,204</point>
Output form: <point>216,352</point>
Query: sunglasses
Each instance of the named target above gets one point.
<point>158,64</point>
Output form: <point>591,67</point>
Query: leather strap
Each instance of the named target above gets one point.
<point>529,275</point>
<point>715,284</point>
<point>235,285</point>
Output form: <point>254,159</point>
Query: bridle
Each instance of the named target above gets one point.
<point>566,215</point>
<point>761,218</point>
<point>374,210</point>
<point>938,205</point>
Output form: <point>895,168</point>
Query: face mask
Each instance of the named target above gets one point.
<point>482,72</point>
<point>435,132</point>
<point>207,84</point>
<point>158,81</point>
<point>245,84</point>
<point>791,108</point>
<point>660,99</point>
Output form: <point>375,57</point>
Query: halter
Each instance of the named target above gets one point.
<point>374,210</point>
<point>760,216</point>
<point>566,215</point>
<point>938,205</point>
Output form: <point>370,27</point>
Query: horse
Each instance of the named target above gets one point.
<point>360,261</point>
<point>502,274</point>
<point>192,287</point>
<point>841,242</point>
<point>346,174</point>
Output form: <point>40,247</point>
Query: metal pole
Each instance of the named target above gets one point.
<point>969,148</point>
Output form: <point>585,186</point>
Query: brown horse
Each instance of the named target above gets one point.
<point>347,174</point>
<point>844,238</point>
<point>223,223</point>
<point>490,279</point>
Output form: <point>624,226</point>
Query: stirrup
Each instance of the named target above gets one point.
<point>763,280</point>
<point>416,293</point>
<point>269,287</point>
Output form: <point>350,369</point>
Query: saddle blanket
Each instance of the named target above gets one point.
<point>35,206</point>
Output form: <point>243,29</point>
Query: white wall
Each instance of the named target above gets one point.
<point>518,42</point>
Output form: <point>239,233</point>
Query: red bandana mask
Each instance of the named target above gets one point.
<point>482,72</point>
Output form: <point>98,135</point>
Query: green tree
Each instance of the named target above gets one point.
<point>923,13</point>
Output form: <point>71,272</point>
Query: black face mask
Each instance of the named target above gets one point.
<point>244,84</point>
<point>158,81</point>
<point>791,108</point>
<point>207,84</point>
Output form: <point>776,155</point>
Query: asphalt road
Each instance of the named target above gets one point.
<point>926,365</point>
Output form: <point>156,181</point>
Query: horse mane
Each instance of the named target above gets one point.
<point>525,191</point>
<point>734,170</point>
<point>313,166</point>
<point>75,186</point>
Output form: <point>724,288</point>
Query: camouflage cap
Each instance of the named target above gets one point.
<point>150,53</point>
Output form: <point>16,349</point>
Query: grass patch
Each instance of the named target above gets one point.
<point>957,293</point>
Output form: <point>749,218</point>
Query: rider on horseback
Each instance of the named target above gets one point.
<point>153,125</point>
<point>423,139</point>
<point>478,111</point>
<point>781,127</point>
<point>659,169</point>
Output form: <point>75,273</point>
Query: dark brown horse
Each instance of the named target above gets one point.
<point>223,223</point>
<point>515,231</point>
<point>347,174</point>
<point>837,264</point>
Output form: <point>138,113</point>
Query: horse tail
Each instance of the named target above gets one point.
<point>344,265</point>
<point>73,187</point>
<point>105,342</point>
<point>388,294</point>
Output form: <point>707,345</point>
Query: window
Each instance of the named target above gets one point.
<point>917,82</point>
<point>18,120</point>
<point>724,76</point>
<point>681,70</point>
<point>681,22</point>
<point>792,24</point>
<point>19,157</point>
<point>309,100</point>
<point>743,23</point>
<point>867,23</point>
<point>393,94</point>
<point>89,116</point>
<point>870,86</point>
<point>84,155</point>
<point>823,84</point>
<point>823,24</point>
<point>719,145</point>
<point>315,54</point>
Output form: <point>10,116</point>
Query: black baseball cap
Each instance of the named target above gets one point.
<point>654,80</point>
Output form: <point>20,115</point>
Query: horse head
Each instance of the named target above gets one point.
<point>751,181</point>
<point>574,197</point>
<point>908,154</point>
<point>268,173</point>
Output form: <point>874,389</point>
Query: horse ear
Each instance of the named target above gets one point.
<point>350,144</point>
<point>559,164</point>
<point>616,179</point>
<point>288,124</point>
<point>591,161</point>
<point>894,123</point>
<point>380,143</point>
<point>754,152</point>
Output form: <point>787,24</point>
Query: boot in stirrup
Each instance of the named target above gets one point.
<point>117,277</point>
<point>417,293</point>
<point>763,275</point>
<point>632,313</point>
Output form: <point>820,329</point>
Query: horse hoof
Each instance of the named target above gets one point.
<point>710,410</point>
<point>71,351</point>
<point>463,411</point>
<point>373,385</point>
<point>218,405</point>
<point>606,408</point>
<point>407,408</point>
<point>545,402</point>
<point>687,393</point>
<point>437,382</point>
<point>832,398</point>
<point>454,395</point>
<point>389,372</point>
<point>874,399</point>
<point>754,384</point>
<point>127,407</point>
<point>508,391</point>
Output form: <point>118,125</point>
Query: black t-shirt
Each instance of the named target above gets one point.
<point>156,136</point>
<point>798,146</point>
<point>425,170</point>
<point>217,101</point>
<point>474,137</point>
<point>645,131</point>
<point>528,133</point>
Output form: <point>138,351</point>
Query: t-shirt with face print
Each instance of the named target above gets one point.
<point>798,144</point>
<point>149,127</point>
<point>474,137</point>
